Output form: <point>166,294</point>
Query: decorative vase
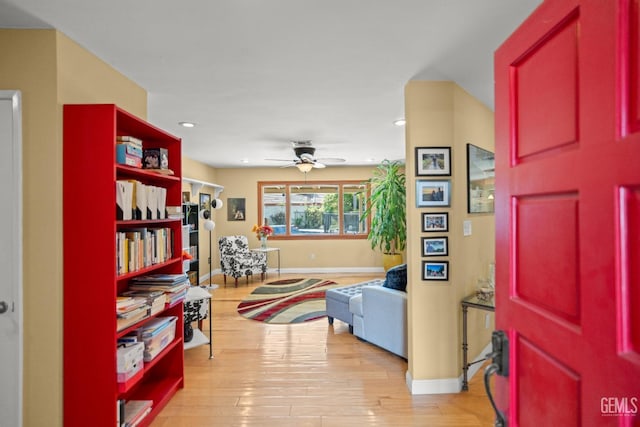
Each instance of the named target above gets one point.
<point>391,260</point>
<point>263,242</point>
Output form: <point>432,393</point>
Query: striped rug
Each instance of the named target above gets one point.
<point>287,301</point>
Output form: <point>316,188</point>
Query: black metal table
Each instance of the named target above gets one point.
<point>472,301</point>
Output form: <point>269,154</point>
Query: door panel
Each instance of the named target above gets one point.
<point>568,215</point>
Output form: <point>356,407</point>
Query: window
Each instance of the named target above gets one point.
<point>330,209</point>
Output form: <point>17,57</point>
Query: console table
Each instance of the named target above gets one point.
<point>266,251</point>
<point>472,301</point>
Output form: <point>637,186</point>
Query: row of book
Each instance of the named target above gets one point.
<point>138,248</point>
<point>148,295</point>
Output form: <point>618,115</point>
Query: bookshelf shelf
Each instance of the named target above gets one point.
<point>91,279</point>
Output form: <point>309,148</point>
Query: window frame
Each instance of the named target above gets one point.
<point>330,236</point>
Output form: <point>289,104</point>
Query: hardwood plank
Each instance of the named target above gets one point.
<point>305,375</point>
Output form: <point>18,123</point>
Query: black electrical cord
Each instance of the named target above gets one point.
<point>490,370</point>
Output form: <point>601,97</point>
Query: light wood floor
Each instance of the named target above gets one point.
<point>310,374</point>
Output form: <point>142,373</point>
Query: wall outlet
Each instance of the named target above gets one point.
<point>487,321</point>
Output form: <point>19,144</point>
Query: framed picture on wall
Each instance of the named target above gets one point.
<point>235,209</point>
<point>435,222</point>
<point>435,246</point>
<point>205,204</point>
<point>430,193</point>
<point>435,270</point>
<point>433,161</point>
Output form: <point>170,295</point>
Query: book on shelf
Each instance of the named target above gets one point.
<point>136,142</point>
<point>135,411</point>
<point>124,200</point>
<point>161,279</point>
<point>124,320</point>
<point>125,304</point>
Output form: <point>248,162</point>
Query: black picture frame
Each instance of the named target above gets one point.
<point>435,246</point>
<point>435,222</point>
<point>433,161</point>
<point>480,180</point>
<point>236,209</point>
<point>435,270</point>
<point>433,193</point>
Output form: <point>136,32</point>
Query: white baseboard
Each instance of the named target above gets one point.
<point>332,270</point>
<point>444,385</point>
<point>312,270</point>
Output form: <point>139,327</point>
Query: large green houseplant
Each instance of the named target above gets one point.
<point>388,213</point>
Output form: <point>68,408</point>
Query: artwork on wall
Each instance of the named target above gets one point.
<point>235,209</point>
<point>435,270</point>
<point>435,246</point>
<point>480,180</point>
<point>435,222</point>
<point>433,161</point>
<point>430,193</point>
<point>205,204</point>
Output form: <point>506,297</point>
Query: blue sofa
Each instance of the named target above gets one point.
<point>379,312</point>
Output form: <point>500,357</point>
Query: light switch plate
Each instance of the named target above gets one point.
<point>466,228</point>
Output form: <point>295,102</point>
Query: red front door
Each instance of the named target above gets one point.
<point>568,215</point>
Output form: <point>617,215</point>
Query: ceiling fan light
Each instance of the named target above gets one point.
<point>304,167</point>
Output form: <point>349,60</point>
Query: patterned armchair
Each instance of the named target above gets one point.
<point>236,260</point>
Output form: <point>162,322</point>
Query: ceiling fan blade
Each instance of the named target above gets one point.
<point>318,165</point>
<point>331,160</point>
<point>279,160</point>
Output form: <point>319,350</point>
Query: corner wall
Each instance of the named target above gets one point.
<point>441,114</point>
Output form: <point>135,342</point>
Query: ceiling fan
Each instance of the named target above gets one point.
<point>305,160</point>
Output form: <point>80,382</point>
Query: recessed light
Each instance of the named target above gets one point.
<point>244,160</point>
<point>187,124</point>
<point>400,122</point>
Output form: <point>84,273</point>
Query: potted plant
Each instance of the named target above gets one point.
<point>388,213</point>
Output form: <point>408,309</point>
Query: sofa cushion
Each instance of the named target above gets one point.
<point>397,278</point>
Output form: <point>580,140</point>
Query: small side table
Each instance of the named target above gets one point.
<point>472,301</point>
<point>266,251</point>
<point>195,309</point>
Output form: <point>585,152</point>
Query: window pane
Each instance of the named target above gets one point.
<point>274,208</point>
<point>353,204</point>
<point>314,209</point>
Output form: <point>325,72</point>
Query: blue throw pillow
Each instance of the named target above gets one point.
<point>397,278</point>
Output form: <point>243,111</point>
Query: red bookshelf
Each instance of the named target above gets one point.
<point>91,283</point>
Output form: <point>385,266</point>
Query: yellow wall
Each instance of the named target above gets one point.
<point>442,114</point>
<point>50,70</point>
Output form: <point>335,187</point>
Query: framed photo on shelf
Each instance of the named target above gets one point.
<point>186,197</point>
<point>480,180</point>
<point>205,204</point>
<point>433,161</point>
<point>435,246</point>
<point>431,193</point>
<point>435,222</point>
<point>435,270</point>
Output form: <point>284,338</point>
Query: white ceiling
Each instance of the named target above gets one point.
<point>256,74</point>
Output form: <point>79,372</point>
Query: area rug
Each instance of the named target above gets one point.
<point>287,301</point>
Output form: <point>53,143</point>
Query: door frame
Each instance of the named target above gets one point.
<point>13,269</point>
